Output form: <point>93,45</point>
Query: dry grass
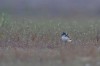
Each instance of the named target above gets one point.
<point>71,54</point>
<point>36,41</point>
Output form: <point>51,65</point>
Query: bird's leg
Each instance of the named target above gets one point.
<point>65,43</point>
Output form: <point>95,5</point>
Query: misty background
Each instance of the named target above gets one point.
<point>51,7</point>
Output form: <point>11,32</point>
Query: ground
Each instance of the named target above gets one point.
<point>29,40</point>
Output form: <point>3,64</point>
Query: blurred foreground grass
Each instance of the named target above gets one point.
<point>29,40</point>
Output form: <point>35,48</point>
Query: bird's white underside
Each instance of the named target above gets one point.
<point>64,38</point>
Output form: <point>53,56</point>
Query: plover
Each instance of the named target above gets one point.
<point>65,37</point>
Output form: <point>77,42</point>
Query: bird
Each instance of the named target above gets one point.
<point>65,37</point>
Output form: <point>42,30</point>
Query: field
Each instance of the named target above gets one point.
<point>35,41</point>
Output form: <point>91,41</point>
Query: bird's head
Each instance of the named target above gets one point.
<point>64,34</point>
